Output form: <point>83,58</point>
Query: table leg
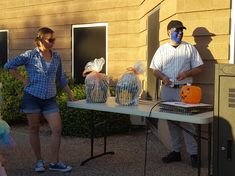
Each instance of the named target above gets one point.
<point>199,149</point>
<point>146,146</point>
<point>92,143</point>
<point>198,138</point>
<point>209,149</point>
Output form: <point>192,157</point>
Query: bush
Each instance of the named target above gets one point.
<point>11,93</point>
<point>76,122</point>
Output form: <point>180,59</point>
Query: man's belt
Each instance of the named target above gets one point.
<point>178,86</point>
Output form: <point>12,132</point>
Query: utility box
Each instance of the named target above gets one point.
<point>224,121</point>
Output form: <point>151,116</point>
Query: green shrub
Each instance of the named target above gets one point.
<point>11,93</point>
<point>76,122</point>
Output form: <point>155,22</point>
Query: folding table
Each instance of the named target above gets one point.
<point>150,109</point>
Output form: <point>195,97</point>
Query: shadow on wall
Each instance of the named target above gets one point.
<point>203,38</point>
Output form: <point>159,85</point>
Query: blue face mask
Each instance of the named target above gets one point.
<point>175,33</point>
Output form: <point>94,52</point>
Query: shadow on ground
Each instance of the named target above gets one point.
<point>128,159</point>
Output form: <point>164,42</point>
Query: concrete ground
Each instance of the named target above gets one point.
<point>128,159</point>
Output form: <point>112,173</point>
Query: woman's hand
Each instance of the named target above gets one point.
<point>17,75</point>
<point>71,98</point>
<point>69,93</point>
<point>25,82</point>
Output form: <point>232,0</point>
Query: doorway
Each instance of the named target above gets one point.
<point>4,47</point>
<point>153,44</point>
<point>89,41</point>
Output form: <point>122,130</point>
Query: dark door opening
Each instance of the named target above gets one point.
<point>153,44</point>
<point>89,42</point>
<point>3,48</point>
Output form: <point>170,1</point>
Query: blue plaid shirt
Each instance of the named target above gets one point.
<point>42,80</point>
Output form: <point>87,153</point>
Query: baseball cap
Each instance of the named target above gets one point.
<point>175,24</point>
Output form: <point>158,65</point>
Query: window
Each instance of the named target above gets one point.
<point>89,41</point>
<point>4,47</point>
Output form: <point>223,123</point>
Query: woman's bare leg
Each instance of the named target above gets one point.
<point>54,122</point>
<point>34,127</point>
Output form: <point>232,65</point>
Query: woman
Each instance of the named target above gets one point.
<point>43,66</point>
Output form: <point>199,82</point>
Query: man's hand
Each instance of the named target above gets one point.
<point>166,80</point>
<point>181,76</point>
<point>189,73</point>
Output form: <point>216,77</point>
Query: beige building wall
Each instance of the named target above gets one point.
<point>127,29</point>
<point>23,17</point>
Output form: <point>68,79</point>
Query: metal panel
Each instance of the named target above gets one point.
<point>224,122</point>
<point>226,128</point>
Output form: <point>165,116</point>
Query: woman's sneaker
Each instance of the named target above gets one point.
<point>39,167</point>
<point>59,167</point>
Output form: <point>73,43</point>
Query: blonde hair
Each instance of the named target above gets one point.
<point>41,32</point>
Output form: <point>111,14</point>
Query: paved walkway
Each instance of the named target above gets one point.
<point>127,161</point>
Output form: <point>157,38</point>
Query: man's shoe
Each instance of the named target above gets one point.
<point>59,167</point>
<point>39,167</point>
<point>194,161</point>
<point>172,157</point>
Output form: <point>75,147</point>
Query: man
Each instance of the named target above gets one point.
<point>175,63</point>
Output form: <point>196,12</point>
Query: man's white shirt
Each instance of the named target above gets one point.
<point>171,61</point>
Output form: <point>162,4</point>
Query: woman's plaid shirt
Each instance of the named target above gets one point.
<point>42,80</point>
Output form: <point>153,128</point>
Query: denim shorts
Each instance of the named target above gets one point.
<point>32,104</point>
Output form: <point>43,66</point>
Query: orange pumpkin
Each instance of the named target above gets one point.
<point>191,94</point>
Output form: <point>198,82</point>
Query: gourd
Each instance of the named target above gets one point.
<point>191,94</point>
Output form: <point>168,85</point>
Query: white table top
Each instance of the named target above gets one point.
<point>142,109</point>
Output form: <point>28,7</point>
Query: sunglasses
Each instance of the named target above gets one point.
<point>51,40</point>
